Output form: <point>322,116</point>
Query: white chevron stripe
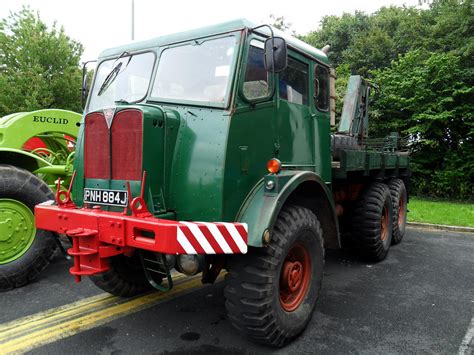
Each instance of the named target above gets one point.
<point>236,236</point>
<point>216,233</point>
<point>200,237</point>
<point>184,242</point>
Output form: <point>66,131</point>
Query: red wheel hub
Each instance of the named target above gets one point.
<point>295,277</point>
<point>401,212</point>
<point>384,226</point>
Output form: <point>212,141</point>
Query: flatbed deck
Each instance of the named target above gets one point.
<point>370,163</point>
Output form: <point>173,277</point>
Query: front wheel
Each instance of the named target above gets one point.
<point>272,291</point>
<point>24,251</point>
<point>125,277</point>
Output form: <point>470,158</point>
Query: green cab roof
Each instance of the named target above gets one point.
<point>207,31</point>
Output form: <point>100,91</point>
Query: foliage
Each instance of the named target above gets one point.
<point>39,66</point>
<point>339,33</point>
<point>420,61</point>
<point>441,212</point>
<point>427,96</point>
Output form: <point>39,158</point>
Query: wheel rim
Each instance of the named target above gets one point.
<point>384,224</point>
<point>295,277</point>
<point>17,230</point>
<point>401,212</point>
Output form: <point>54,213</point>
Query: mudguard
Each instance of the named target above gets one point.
<point>16,129</point>
<point>262,206</point>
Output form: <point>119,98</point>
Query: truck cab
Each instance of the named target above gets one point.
<point>206,117</point>
<point>209,150</point>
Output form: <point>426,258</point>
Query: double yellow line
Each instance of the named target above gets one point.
<point>33,331</point>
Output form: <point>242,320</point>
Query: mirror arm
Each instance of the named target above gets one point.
<point>273,43</point>
<point>84,81</point>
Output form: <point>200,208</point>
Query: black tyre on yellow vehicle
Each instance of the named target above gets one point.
<point>24,250</point>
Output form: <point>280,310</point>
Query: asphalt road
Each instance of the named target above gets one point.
<point>419,300</point>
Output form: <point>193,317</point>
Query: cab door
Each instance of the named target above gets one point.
<point>320,107</point>
<point>294,115</point>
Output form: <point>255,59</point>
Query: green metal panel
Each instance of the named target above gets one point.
<point>226,27</point>
<point>251,143</point>
<point>391,160</point>
<point>368,162</point>
<point>198,164</point>
<point>16,129</point>
<point>51,126</point>
<point>261,207</point>
<point>321,135</point>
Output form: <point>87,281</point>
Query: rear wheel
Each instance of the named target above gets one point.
<point>125,277</point>
<point>398,193</point>
<point>372,222</point>
<point>24,250</point>
<point>271,292</point>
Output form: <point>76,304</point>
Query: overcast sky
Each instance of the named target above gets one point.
<point>99,24</point>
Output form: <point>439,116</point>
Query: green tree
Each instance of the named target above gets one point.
<point>338,32</point>
<point>39,66</point>
<point>391,31</point>
<point>428,96</point>
<point>421,62</point>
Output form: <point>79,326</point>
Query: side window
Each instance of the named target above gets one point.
<point>293,82</point>
<point>256,77</point>
<point>321,88</point>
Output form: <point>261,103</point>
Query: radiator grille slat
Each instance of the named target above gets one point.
<point>127,132</point>
<point>120,154</point>
<point>96,148</point>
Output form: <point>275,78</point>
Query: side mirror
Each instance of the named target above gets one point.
<point>276,56</point>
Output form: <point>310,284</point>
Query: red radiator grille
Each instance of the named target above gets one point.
<point>123,155</point>
<point>96,148</point>
<point>127,132</point>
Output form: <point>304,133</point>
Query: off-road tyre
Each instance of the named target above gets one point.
<point>372,222</point>
<point>399,196</point>
<point>125,277</point>
<point>255,292</point>
<point>22,186</point>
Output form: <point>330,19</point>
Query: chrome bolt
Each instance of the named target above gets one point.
<point>266,236</point>
<point>270,185</point>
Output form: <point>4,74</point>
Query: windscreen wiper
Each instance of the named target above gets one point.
<point>109,79</point>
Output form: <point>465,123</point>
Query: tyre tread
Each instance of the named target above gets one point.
<point>20,184</point>
<point>249,281</point>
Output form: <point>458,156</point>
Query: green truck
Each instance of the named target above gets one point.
<point>36,148</point>
<point>212,150</point>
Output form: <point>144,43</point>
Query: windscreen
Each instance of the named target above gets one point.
<point>199,71</point>
<point>124,79</point>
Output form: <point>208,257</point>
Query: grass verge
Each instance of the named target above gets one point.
<point>441,212</point>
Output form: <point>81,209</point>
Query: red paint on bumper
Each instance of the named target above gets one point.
<point>98,235</point>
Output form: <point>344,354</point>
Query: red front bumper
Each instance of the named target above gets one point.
<point>98,235</point>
